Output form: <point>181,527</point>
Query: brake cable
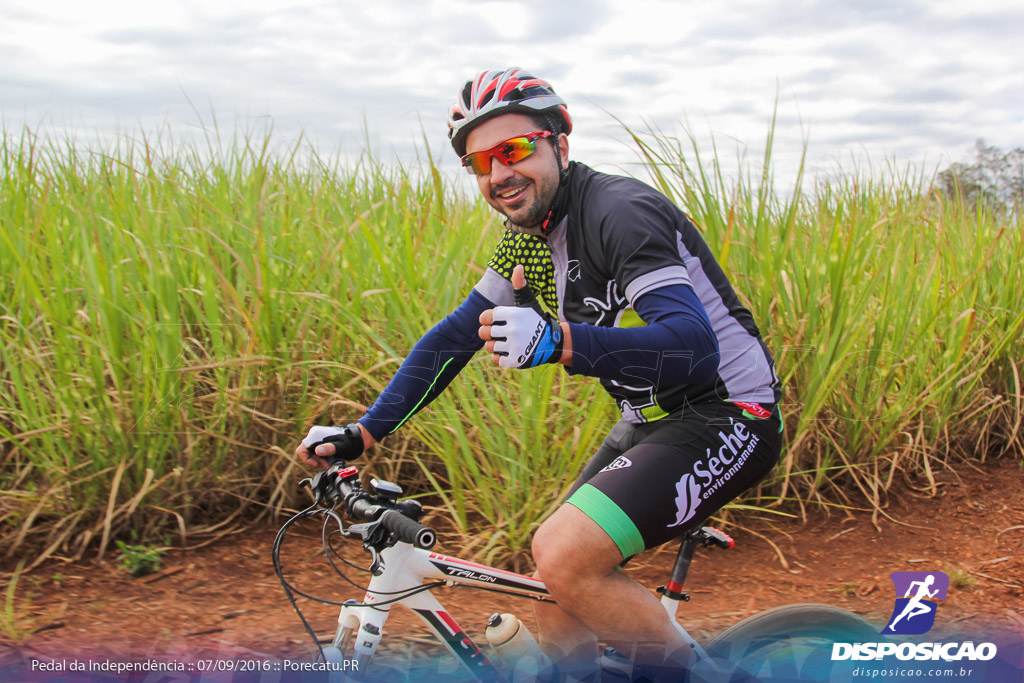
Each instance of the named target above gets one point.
<point>291,591</point>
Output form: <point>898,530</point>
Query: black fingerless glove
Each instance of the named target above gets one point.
<point>348,443</point>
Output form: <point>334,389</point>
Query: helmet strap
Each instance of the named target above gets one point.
<point>555,211</point>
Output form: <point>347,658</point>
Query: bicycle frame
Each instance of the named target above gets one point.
<point>401,568</point>
<point>405,567</point>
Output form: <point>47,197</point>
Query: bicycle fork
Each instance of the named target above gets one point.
<point>363,623</point>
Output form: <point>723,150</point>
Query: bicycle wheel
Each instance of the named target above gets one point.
<point>336,660</point>
<point>788,643</point>
<point>338,656</point>
<point>346,666</point>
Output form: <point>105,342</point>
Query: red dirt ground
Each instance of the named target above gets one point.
<point>224,599</point>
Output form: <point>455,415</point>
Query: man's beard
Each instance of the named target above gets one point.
<point>536,214</point>
<point>534,229</point>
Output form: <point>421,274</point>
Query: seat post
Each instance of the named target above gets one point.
<point>674,589</point>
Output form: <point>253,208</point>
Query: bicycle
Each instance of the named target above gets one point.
<point>404,571</point>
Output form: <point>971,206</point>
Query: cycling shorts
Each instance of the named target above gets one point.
<point>649,483</point>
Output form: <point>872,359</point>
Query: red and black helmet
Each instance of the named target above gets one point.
<point>493,93</point>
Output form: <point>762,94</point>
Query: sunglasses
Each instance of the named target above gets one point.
<point>508,152</point>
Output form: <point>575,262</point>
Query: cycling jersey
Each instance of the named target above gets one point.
<point>653,316</point>
<point>619,240</point>
<point>620,247</point>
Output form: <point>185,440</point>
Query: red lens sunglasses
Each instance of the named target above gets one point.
<point>508,152</point>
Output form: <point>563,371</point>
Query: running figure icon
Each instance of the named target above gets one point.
<point>916,607</point>
<point>920,592</point>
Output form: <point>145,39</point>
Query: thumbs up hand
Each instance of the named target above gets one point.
<point>523,292</point>
<point>524,335</point>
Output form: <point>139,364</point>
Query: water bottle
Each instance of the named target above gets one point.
<point>515,646</point>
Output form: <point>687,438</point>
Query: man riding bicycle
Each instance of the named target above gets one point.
<point>631,295</point>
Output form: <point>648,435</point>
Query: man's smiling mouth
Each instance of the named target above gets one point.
<point>511,193</point>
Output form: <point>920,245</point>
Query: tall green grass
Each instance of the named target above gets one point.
<point>896,315</point>
<point>173,317</point>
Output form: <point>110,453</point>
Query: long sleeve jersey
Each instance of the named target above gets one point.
<point>651,312</point>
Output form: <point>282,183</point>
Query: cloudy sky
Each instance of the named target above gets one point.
<point>915,81</point>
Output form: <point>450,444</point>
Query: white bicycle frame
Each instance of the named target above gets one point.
<point>404,567</point>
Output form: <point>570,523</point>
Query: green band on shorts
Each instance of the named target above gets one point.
<point>592,502</point>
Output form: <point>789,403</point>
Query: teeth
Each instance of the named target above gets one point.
<point>511,193</point>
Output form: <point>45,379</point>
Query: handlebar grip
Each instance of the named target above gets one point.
<point>408,530</point>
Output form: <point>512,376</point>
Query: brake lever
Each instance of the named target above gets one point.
<point>377,565</point>
<point>313,486</point>
<point>374,535</point>
<point>369,532</point>
<point>322,487</point>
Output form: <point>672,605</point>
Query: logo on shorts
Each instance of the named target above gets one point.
<point>715,469</point>
<point>687,498</point>
<point>618,464</point>
<point>914,612</point>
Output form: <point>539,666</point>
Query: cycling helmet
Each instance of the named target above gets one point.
<point>493,93</point>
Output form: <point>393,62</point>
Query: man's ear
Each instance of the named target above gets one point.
<point>563,149</point>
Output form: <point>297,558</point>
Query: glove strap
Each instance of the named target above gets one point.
<point>549,348</point>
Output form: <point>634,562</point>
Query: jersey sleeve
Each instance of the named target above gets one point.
<point>431,365</point>
<point>496,288</point>
<point>677,345</point>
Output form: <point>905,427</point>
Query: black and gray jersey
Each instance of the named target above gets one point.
<point>620,239</point>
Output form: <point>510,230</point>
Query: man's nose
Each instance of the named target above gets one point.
<point>499,171</point>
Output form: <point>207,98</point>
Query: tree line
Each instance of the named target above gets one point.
<point>994,178</point>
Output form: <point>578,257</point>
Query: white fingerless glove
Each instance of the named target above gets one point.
<point>532,337</point>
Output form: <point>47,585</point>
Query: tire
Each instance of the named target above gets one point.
<point>336,658</point>
<point>340,658</point>
<point>789,643</point>
<point>348,667</point>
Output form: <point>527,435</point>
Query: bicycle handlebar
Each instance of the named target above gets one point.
<point>341,482</point>
<point>408,530</point>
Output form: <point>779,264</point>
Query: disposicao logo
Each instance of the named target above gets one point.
<point>916,596</point>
